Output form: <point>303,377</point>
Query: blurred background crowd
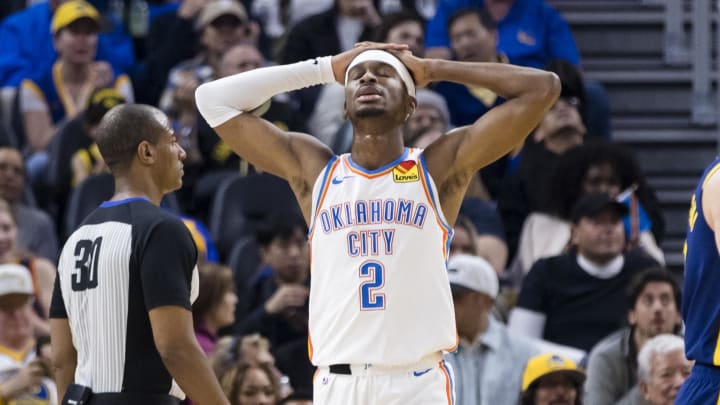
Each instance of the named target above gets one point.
<point>561,283</point>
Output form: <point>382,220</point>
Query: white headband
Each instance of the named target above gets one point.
<point>388,58</point>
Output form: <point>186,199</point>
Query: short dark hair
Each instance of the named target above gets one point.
<point>571,80</point>
<point>122,129</point>
<point>486,20</point>
<point>282,225</point>
<point>652,275</point>
<point>528,397</point>
<point>391,20</point>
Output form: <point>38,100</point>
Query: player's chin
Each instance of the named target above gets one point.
<point>370,111</point>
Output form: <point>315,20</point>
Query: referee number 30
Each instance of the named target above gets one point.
<point>85,274</point>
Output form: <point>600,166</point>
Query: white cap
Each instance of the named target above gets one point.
<point>15,279</point>
<point>387,58</point>
<point>474,273</point>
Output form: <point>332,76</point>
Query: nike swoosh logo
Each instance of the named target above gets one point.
<point>338,180</point>
<point>419,373</point>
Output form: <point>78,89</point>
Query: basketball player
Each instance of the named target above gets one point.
<point>380,217</point>
<point>700,298</point>
<point>121,324</point>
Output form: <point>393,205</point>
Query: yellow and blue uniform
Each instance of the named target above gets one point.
<point>701,303</point>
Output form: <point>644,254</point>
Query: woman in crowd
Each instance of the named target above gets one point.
<point>250,384</point>
<point>41,270</point>
<point>215,306</point>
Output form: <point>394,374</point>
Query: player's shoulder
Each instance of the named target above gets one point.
<point>711,179</point>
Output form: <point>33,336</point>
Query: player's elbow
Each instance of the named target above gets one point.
<point>548,87</point>
<point>203,97</point>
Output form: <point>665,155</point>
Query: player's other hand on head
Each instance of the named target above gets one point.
<point>341,61</point>
<point>287,296</point>
<point>418,67</point>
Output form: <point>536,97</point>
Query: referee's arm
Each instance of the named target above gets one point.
<point>64,356</point>
<point>166,271</point>
<point>176,342</point>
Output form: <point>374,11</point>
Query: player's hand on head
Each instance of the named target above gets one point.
<point>287,296</point>
<point>418,67</point>
<point>341,61</point>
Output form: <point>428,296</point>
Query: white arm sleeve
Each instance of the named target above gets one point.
<point>526,322</point>
<point>223,99</point>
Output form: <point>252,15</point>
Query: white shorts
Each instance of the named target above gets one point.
<point>423,383</point>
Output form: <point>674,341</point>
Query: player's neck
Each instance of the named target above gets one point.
<point>374,150</point>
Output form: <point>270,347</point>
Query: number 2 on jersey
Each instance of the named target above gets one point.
<point>370,299</point>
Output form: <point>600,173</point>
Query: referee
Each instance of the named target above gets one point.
<point>121,325</point>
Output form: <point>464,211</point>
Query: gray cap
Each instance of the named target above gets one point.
<point>473,273</point>
<point>430,98</point>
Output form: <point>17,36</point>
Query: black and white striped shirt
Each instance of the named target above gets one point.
<point>126,258</point>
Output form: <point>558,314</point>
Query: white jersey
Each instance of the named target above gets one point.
<point>379,243</point>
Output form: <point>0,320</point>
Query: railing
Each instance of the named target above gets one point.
<point>681,50</point>
<point>703,97</point>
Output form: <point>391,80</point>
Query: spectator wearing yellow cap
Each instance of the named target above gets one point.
<point>26,50</point>
<point>72,154</point>
<point>88,161</point>
<point>551,379</point>
<point>63,91</point>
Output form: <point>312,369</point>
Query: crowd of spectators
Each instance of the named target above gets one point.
<point>556,271</point>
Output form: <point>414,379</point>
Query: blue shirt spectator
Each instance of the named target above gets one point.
<point>531,34</point>
<point>26,48</point>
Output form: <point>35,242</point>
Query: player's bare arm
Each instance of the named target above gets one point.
<point>296,157</point>
<point>64,356</point>
<point>710,205</point>
<point>175,340</point>
<point>454,159</point>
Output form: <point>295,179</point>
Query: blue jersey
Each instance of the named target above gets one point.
<point>700,298</point>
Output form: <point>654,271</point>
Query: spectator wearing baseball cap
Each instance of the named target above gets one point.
<point>22,376</point>
<point>63,92</point>
<point>73,153</point>
<point>552,379</point>
<point>220,24</point>
<point>577,298</point>
<point>488,363</point>
<point>27,51</point>
<point>88,161</point>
